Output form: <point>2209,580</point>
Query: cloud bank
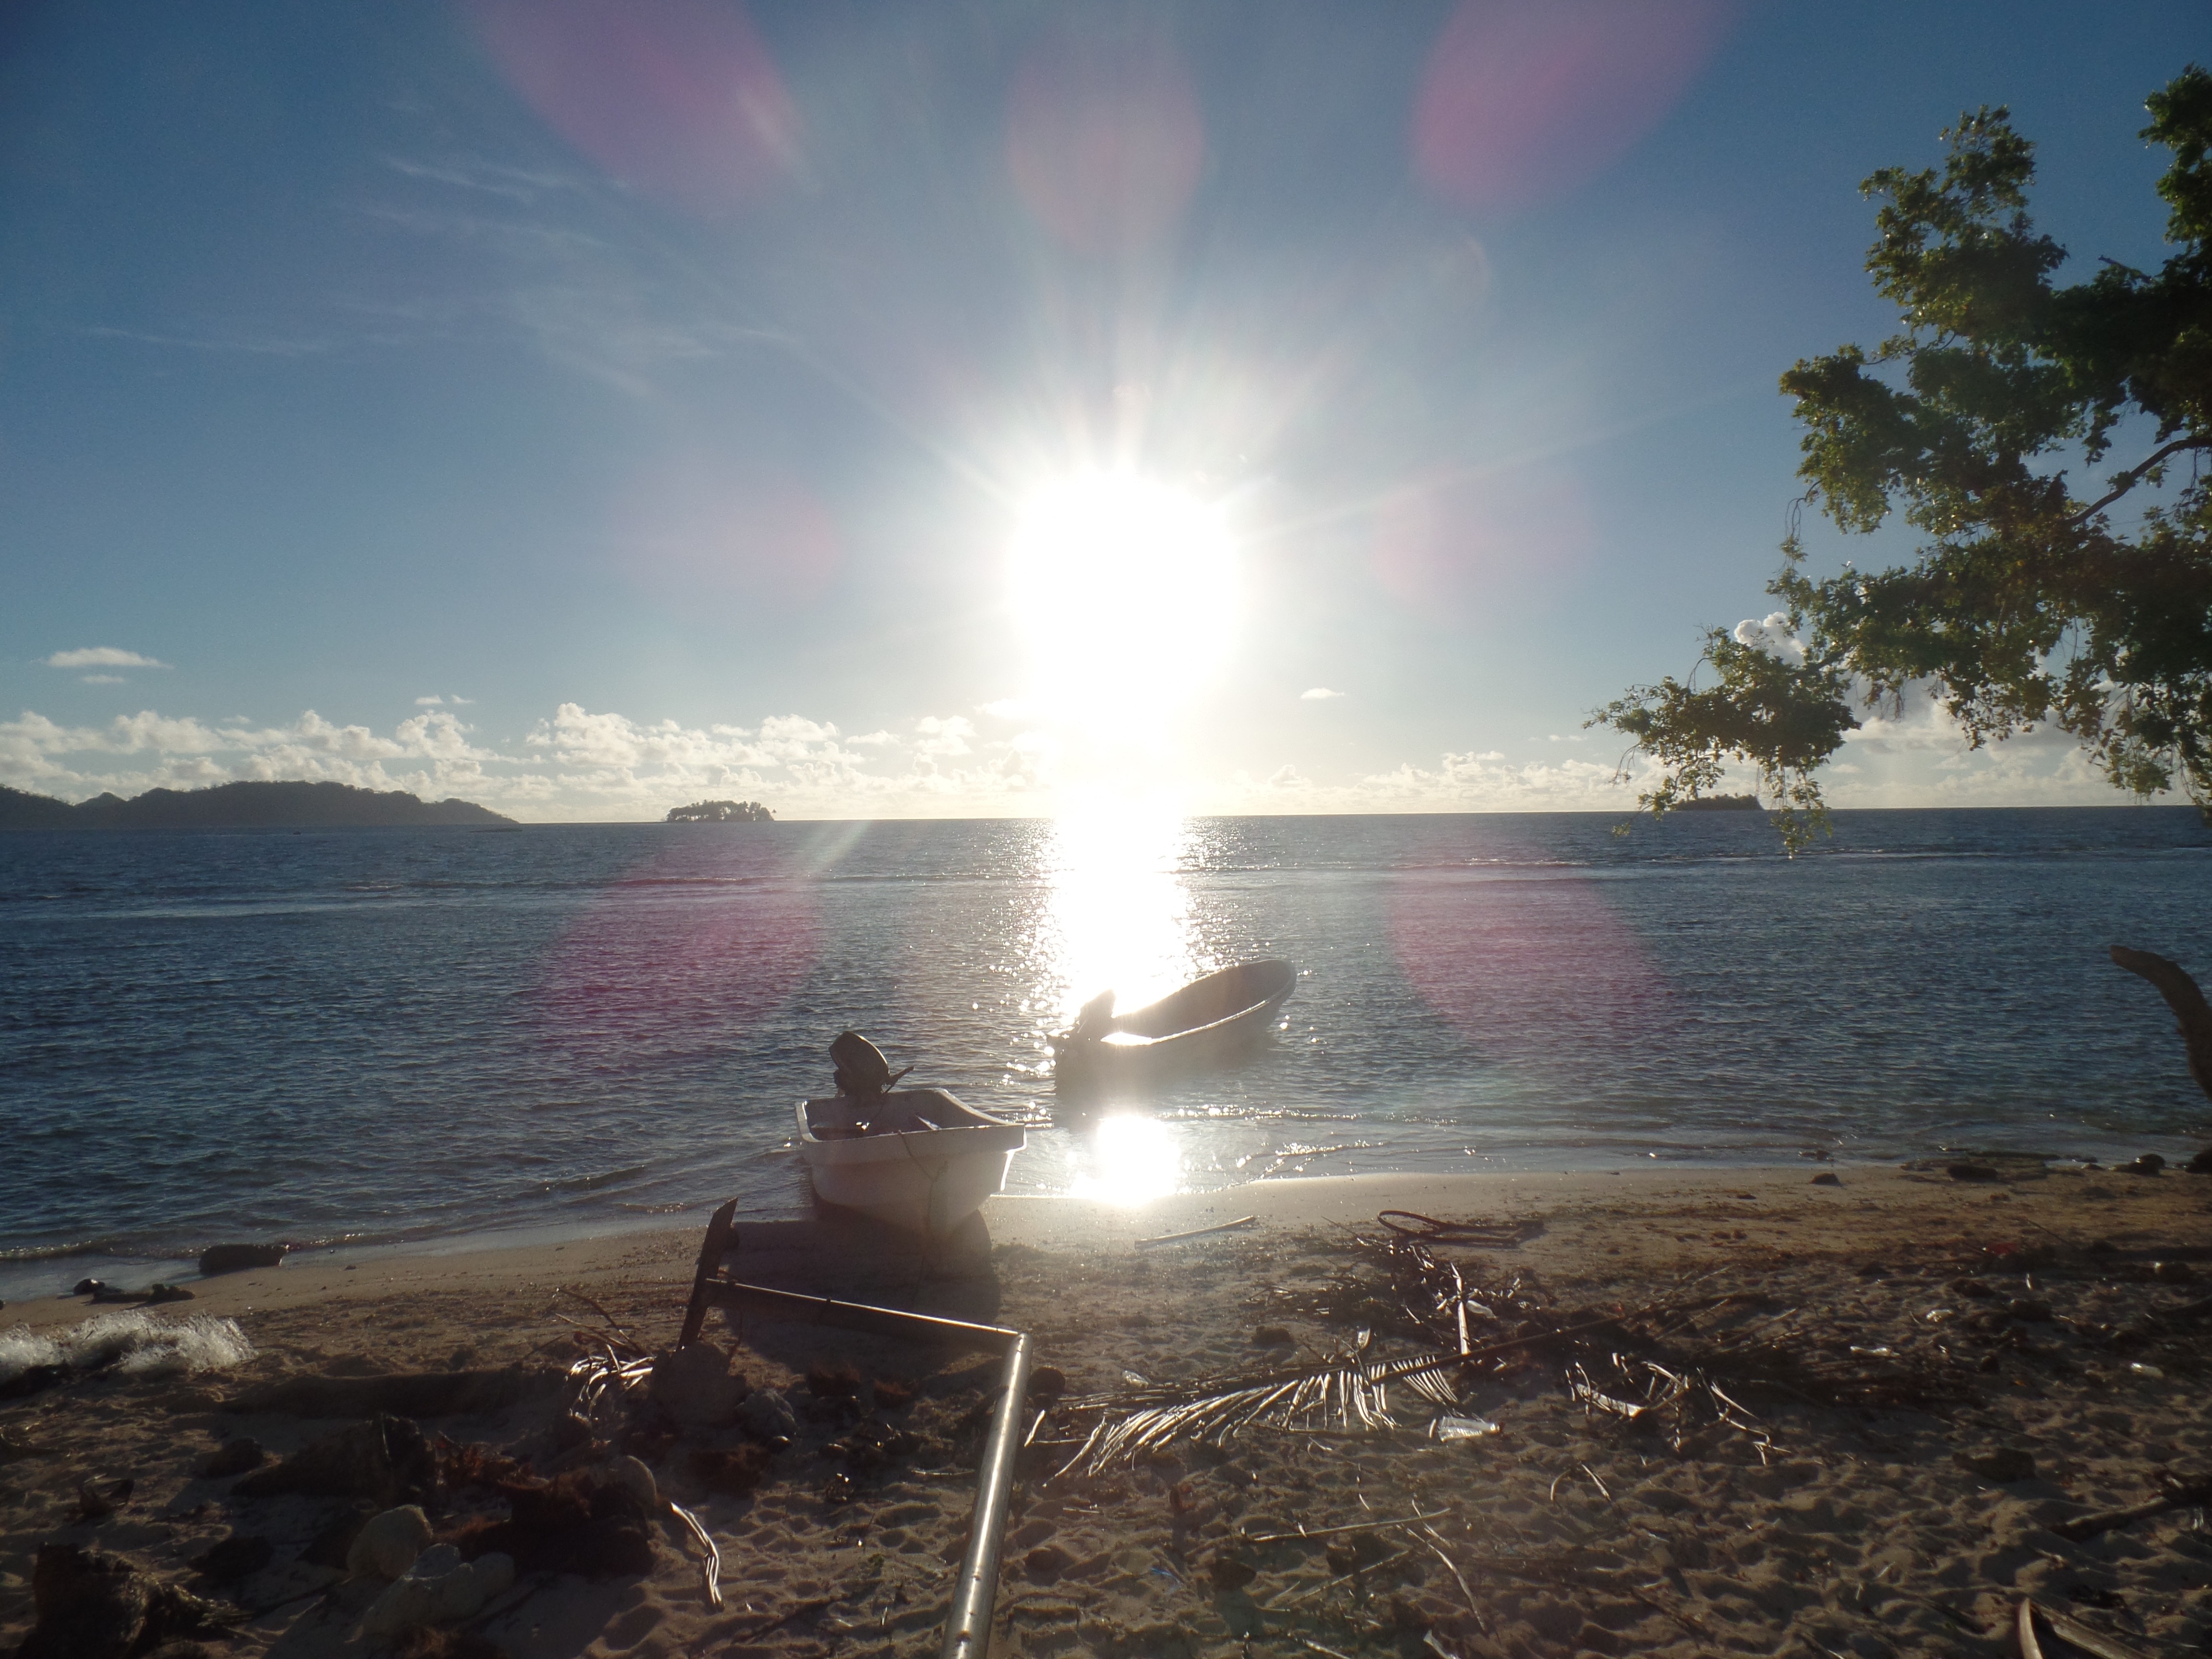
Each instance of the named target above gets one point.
<point>581,764</point>
<point>101,656</point>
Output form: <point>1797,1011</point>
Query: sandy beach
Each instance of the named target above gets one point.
<point>1847,1411</point>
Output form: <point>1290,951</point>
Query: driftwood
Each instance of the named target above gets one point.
<point>2192,1015</point>
<point>2179,1493</point>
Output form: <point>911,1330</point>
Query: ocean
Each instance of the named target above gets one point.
<point>356,1036</point>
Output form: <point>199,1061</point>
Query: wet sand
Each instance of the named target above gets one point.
<point>2043,1312</point>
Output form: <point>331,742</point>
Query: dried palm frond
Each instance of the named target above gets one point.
<point>1343,1394</point>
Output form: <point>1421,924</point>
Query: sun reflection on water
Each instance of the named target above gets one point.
<point>1118,914</point>
<point>1128,1160</point>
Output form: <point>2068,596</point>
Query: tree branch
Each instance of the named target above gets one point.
<point>2133,475</point>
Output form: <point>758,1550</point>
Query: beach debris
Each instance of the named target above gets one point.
<point>1046,1383</point>
<point>219,1259</point>
<point>1426,1228</point>
<point>437,1587</point>
<point>387,1543</point>
<point>107,1294</point>
<point>399,1394</point>
<point>1199,1232</point>
<point>1448,1427</point>
<point>589,1520</point>
<point>2192,1016</point>
<point>88,1287</point>
<point>1272,1336</point>
<point>2149,1163</point>
<point>89,1604</point>
<point>1970,1172</point>
<point>97,1499</point>
<point>1826,1178</point>
<point>696,1387</point>
<point>2202,1164</point>
<point>768,1417</point>
<point>130,1344</point>
<point>2069,1631</point>
<point>237,1557</point>
<point>15,1447</point>
<point>892,1395</point>
<point>385,1459</point>
<point>710,1564</point>
<point>2176,1491</point>
<point>837,1381</point>
<point>235,1456</point>
<point>2001,1464</point>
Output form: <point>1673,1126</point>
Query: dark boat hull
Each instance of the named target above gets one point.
<point>1213,1021</point>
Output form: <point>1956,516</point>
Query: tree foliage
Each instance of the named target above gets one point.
<point>2027,604</point>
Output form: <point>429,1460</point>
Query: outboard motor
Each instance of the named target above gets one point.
<point>862,1072</point>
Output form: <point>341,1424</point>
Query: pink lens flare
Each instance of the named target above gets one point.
<point>688,528</point>
<point>1104,139</point>
<point>1466,543</point>
<point>1529,965</point>
<point>1521,102</point>
<point>687,953</point>
<point>677,98</point>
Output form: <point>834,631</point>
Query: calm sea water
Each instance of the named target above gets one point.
<point>387,1034</point>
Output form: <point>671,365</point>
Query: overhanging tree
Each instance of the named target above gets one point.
<point>2029,603</point>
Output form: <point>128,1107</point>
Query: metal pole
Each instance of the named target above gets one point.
<point>968,1627</point>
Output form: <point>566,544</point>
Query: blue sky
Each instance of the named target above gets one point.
<point>584,409</point>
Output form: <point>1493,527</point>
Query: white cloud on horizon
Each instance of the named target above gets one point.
<point>102,656</point>
<point>103,679</point>
<point>579,763</point>
<point>1319,694</point>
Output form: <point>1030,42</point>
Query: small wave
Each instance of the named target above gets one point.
<point>136,1343</point>
<point>101,1247</point>
<point>592,1184</point>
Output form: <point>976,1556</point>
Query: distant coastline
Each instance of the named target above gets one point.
<point>244,806</point>
<point>1717,804</point>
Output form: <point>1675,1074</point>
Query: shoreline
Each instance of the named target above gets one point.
<point>2000,1313</point>
<point>25,1280</point>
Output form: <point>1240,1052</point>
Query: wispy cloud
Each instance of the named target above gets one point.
<point>103,679</point>
<point>254,345</point>
<point>1319,694</point>
<point>101,656</point>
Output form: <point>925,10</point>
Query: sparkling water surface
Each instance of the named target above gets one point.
<point>404,1034</point>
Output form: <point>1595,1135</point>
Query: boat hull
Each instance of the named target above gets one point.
<point>927,1179</point>
<point>1211,1022</point>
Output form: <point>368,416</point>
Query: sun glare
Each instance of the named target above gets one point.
<point>1128,1161</point>
<point>1125,591</point>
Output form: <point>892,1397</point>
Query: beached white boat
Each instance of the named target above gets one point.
<point>914,1157</point>
<point>1210,1022</point>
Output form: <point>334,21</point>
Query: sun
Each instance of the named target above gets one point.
<point>1124,591</point>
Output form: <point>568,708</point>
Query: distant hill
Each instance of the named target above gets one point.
<point>240,806</point>
<point>721,812</point>
<point>1717,804</point>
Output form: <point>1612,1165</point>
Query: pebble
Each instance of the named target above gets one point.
<point>767,1416</point>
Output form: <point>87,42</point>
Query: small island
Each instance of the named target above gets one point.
<point>721,812</point>
<point>274,806</point>
<point>1717,804</point>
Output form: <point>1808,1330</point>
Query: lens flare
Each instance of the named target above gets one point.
<point>1104,140</point>
<point>678,98</point>
<point>1522,103</point>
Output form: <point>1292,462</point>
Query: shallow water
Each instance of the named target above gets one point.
<point>381,1034</point>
